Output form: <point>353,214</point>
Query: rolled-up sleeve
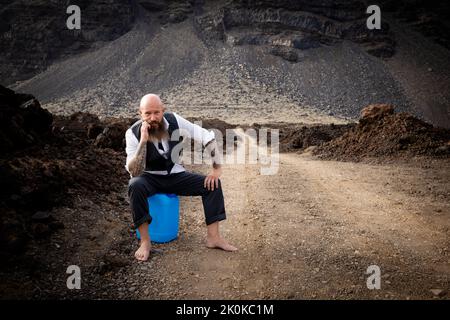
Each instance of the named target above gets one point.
<point>196,132</point>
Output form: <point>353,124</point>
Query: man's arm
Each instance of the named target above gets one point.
<point>207,138</point>
<point>136,155</point>
<point>215,156</point>
<point>136,165</point>
<point>212,179</point>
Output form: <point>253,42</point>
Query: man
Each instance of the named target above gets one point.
<point>149,162</point>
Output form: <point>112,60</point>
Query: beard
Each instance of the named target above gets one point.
<point>157,130</point>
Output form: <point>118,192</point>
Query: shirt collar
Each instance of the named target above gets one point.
<point>166,123</point>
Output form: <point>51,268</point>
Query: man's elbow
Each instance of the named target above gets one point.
<point>129,166</point>
<point>213,140</point>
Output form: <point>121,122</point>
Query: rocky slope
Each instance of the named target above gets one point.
<point>289,25</point>
<point>33,35</point>
<point>232,59</point>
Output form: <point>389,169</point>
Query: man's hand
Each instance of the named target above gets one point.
<point>212,179</point>
<point>144,131</point>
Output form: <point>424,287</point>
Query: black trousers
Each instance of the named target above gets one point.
<point>182,184</point>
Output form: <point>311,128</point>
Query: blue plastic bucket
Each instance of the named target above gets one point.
<point>164,209</point>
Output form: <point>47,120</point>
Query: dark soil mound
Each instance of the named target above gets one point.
<point>45,158</point>
<point>301,137</point>
<point>22,120</point>
<point>108,133</point>
<point>383,133</point>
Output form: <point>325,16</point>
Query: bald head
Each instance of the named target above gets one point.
<point>151,108</point>
<point>150,100</point>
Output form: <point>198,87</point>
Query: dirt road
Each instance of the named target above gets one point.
<point>311,231</point>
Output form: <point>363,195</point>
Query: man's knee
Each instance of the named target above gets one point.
<point>136,184</point>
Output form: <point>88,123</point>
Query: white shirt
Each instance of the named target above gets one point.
<point>195,131</point>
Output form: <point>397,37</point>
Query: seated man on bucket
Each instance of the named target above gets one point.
<point>149,149</point>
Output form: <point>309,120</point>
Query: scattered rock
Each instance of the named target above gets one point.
<point>438,292</point>
<point>41,216</point>
<point>376,110</point>
<point>287,54</point>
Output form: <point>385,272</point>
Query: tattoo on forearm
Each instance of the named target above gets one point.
<point>137,165</point>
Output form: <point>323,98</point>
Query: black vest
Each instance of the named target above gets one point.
<point>155,161</point>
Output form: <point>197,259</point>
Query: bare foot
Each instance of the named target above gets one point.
<point>220,243</point>
<point>143,252</point>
